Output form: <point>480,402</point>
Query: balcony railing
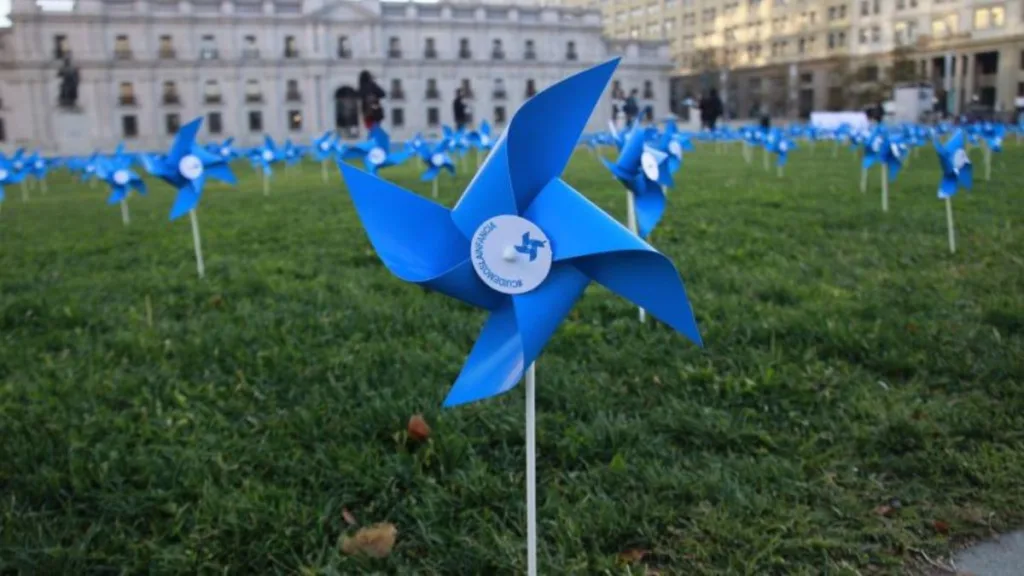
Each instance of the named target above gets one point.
<point>430,54</point>
<point>209,54</point>
<point>167,54</point>
<point>127,100</point>
<point>213,99</point>
<point>171,99</point>
<point>292,53</point>
<point>293,96</point>
<point>123,54</point>
<point>253,98</point>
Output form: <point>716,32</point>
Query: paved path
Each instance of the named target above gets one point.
<point>1001,557</point>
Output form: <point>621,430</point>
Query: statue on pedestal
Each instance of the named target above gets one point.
<point>68,75</point>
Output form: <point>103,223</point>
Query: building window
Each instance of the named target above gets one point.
<point>126,94</point>
<point>122,49</point>
<point>989,17</point>
<point>211,92</point>
<point>429,49</point>
<point>529,51</point>
<point>433,117</point>
<point>249,48</point>
<point>172,123</point>
<point>253,94</point>
<point>129,126</point>
<point>255,121</point>
<point>295,120</point>
<point>531,88</point>
<point>570,51</point>
<point>497,50</point>
<point>214,123</point>
<point>499,115</point>
<point>432,92</point>
<point>208,48</point>
<point>396,92</point>
<point>397,117</point>
<point>291,47</point>
<point>344,50</point>
<point>170,93</point>
<point>166,49</point>
<point>291,91</point>
<point>464,51</point>
<point>467,88</point>
<point>648,90</point>
<point>61,49</point>
<point>394,47</point>
<point>499,89</point>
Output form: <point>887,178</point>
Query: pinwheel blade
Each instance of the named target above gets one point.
<point>632,149</point>
<point>117,193</point>
<point>650,205</point>
<point>430,174</point>
<point>184,140</point>
<point>221,172</point>
<point>186,200</point>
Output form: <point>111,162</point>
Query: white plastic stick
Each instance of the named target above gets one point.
<point>631,217</point>
<point>266,184</point>
<point>44,186</point>
<point>988,163</point>
<point>195,240</point>
<point>531,470</point>
<point>949,224</point>
<point>764,158</point>
<point>778,170</point>
<point>835,148</point>
<point>885,187</point>
<point>863,180</point>
<point>24,192</point>
<point>434,186</point>
<point>323,171</point>
<point>124,212</point>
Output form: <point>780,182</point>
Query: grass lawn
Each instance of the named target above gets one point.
<point>860,399</point>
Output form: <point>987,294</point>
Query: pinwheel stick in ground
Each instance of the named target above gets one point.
<point>631,221</point>
<point>266,184</point>
<point>323,170</point>
<point>124,212</point>
<point>949,225</point>
<point>885,187</point>
<point>200,267</point>
<point>988,162</point>
<point>863,180</point>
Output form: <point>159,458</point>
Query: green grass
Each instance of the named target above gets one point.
<point>151,422</point>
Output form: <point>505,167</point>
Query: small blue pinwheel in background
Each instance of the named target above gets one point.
<point>187,167</point>
<point>39,167</point>
<point>674,144</point>
<point>291,154</point>
<point>957,173</point>
<point>781,146</point>
<point>264,157</point>
<point>376,151</point>
<point>436,159</point>
<point>322,151</point>
<point>224,149</point>
<point>481,139</point>
<point>471,252</point>
<point>8,176</point>
<point>117,173</point>
<point>644,171</point>
<point>993,135</point>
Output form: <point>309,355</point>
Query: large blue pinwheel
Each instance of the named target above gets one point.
<point>957,173</point>
<point>508,246</point>
<point>644,171</point>
<point>117,173</point>
<point>376,151</point>
<point>186,167</point>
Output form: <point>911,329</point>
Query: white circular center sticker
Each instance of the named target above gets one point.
<point>376,156</point>
<point>268,155</point>
<point>3,174</point>
<point>960,160</point>
<point>17,165</point>
<point>997,142</point>
<point>190,167</point>
<point>325,146</point>
<point>675,148</point>
<point>649,164</point>
<point>485,139</point>
<point>437,160</point>
<point>90,168</point>
<point>510,254</point>
<point>876,145</point>
<point>895,150</point>
<point>39,164</point>
<point>783,147</point>
<point>121,177</point>
<point>225,151</point>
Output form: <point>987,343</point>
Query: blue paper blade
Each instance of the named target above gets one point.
<point>611,255</point>
<point>221,172</point>
<point>649,201</point>
<point>186,200</point>
<point>184,140</point>
<point>543,133</point>
<point>629,158</point>
<point>489,194</point>
<point>430,174</point>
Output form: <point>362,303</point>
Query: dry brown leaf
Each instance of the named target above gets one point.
<point>941,527</point>
<point>418,428</point>
<point>347,516</point>
<point>883,510</point>
<point>375,541</point>
<point>632,556</point>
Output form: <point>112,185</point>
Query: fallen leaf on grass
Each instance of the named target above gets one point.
<point>632,556</point>
<point>884,510</point>
<point>941,527</point>
<point>375,541</point>
<point>216,301</point>
<point>418,428</point>
<point>348,517</point>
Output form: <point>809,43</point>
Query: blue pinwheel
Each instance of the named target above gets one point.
<point>673,143</point>
<point>436,159</point>
<point>482,139</point>
<point>993,135</point>
<point>8,175</point>
<point>323,149</point>
<point>224,149</point>
<point>781,146</point>
<point>117,173</point>
<point>957,173</point>
<point>291,153</point>
<point>470,252</point>
<point>187,166</point>
<point>376,151</point>
<point>644,171</point>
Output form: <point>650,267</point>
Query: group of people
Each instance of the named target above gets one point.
<point>371,97</point>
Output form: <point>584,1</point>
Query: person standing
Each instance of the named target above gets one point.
<point>631,108</point>
<point>370,97</point>
<point>460,111</point>
<point>710,109</point>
